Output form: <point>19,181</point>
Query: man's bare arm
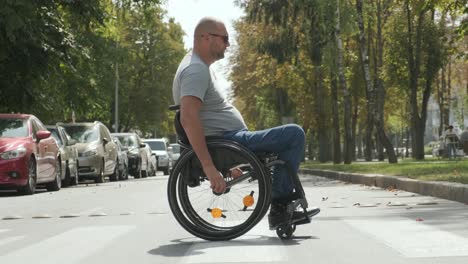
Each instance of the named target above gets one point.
<point>190,119</point>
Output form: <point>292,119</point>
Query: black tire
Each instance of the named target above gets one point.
<point>30,187</point>
<point>100,176</point>
<point>124,174</point>
<point>115,175</point>
<point>75,180</point>
<point>56,184</point>
<point>166,171</point>
<point>144,173</point>
<point>138,171</point>
<point>67,180</point>
<point>193,206</point>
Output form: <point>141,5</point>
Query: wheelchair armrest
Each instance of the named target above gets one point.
<point>174,107</point>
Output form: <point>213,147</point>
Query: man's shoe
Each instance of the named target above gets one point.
<point>300,218</point>
<point>278,215</point>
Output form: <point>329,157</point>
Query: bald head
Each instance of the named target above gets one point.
<point>207,24</point>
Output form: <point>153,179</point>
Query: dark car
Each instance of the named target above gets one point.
<point>97,153</point>
<point>122,160</point>
<point>28,154</point>
<point>68,154</point>
<point>137,157</point>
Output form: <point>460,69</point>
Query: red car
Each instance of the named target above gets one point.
<point>28,154</point>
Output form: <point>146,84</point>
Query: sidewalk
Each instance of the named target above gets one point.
<point>445,190</point>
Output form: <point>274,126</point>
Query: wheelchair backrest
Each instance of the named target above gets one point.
<point>179,129</point>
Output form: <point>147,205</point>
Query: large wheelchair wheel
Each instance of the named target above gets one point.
<point>212,216</point>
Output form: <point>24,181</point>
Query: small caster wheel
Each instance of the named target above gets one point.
<point>285,231</point>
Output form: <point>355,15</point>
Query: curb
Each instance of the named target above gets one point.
<point>446,190</point>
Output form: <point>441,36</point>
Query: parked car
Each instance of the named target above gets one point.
<point>28,154</point>
<point>122,160</point>
<point>175,150</point>
<point>97,153</point>
<point>152,161</point>
<point>160,147</point>
<point>68,154</point>
<point>137,158</point>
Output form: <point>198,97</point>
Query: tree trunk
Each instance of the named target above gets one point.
<point>323,154</point>
<point>414,61</point>
<point>346,94</point>
<point>375,94</point>
<point>380,93</point>
<point>336,120</point>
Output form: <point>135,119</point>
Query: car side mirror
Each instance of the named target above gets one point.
<point>42,134</point>
<point>142,145</point>
<point>105,141</point>
<point>71,142</point>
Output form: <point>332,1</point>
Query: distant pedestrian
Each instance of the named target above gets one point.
<point>451,141</point>
<point>464,140</point>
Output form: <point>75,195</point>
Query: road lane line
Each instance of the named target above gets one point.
<point>414,239</point>
<point>9,240</point>
<point>263,249</point>
<point>69,247</point>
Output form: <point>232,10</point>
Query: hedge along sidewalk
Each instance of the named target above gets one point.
<point>441,189</point>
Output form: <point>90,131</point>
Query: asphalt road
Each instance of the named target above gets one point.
<point>130,222</point>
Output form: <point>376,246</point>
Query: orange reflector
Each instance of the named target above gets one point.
<point>248,200</point>
<point>216,212</point>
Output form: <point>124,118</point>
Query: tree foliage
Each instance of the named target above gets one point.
<point>60,57</point>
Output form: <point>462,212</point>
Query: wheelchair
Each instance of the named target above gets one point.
<point>225,216</point>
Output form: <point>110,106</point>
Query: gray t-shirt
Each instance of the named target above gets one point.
<point>195,78</point>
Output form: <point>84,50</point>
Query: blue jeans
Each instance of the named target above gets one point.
<point>287,141</point>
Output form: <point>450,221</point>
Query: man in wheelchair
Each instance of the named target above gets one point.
<point>205,112</point>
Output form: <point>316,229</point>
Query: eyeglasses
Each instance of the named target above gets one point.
<point>225,38</point>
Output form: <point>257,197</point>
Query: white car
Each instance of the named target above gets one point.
<point>175,150</point>
<point>160,147</point>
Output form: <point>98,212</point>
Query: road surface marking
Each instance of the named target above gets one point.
<point>9,240</point>
<point>414,239</point>
<point>235,251</point>
<point>78,242</point>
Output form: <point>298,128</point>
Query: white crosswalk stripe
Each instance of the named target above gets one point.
<point>8,240</point>
<point>414,239</point>
<point>87,239</point>
<point>230,251</point>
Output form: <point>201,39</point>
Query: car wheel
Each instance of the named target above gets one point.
<point>75,180</point>
<point>144,174</point>
<point>67,181</point>
<point>56,184</point>
<point>30,187</point>
<point>138,171</point>
<point>100,177</point>
<point>115,175</point>
<point>166,171</point>
<point>124,173</point>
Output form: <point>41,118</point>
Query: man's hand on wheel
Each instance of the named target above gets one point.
<point>216,180</point>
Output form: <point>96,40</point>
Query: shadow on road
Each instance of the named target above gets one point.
<point>181,247</point>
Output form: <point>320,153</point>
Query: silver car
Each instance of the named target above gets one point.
<point>97,153</point>
<point>160,147</point>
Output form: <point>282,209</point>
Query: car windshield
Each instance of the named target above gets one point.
<point>13,127</point>
<point>175,148</point>
<point>83,134</point>
<point>129,141</point>
<point>156,145</point>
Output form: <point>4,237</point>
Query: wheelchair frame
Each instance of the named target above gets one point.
<point>187,173</point>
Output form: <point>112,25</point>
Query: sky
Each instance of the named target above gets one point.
<point>188,12</point>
